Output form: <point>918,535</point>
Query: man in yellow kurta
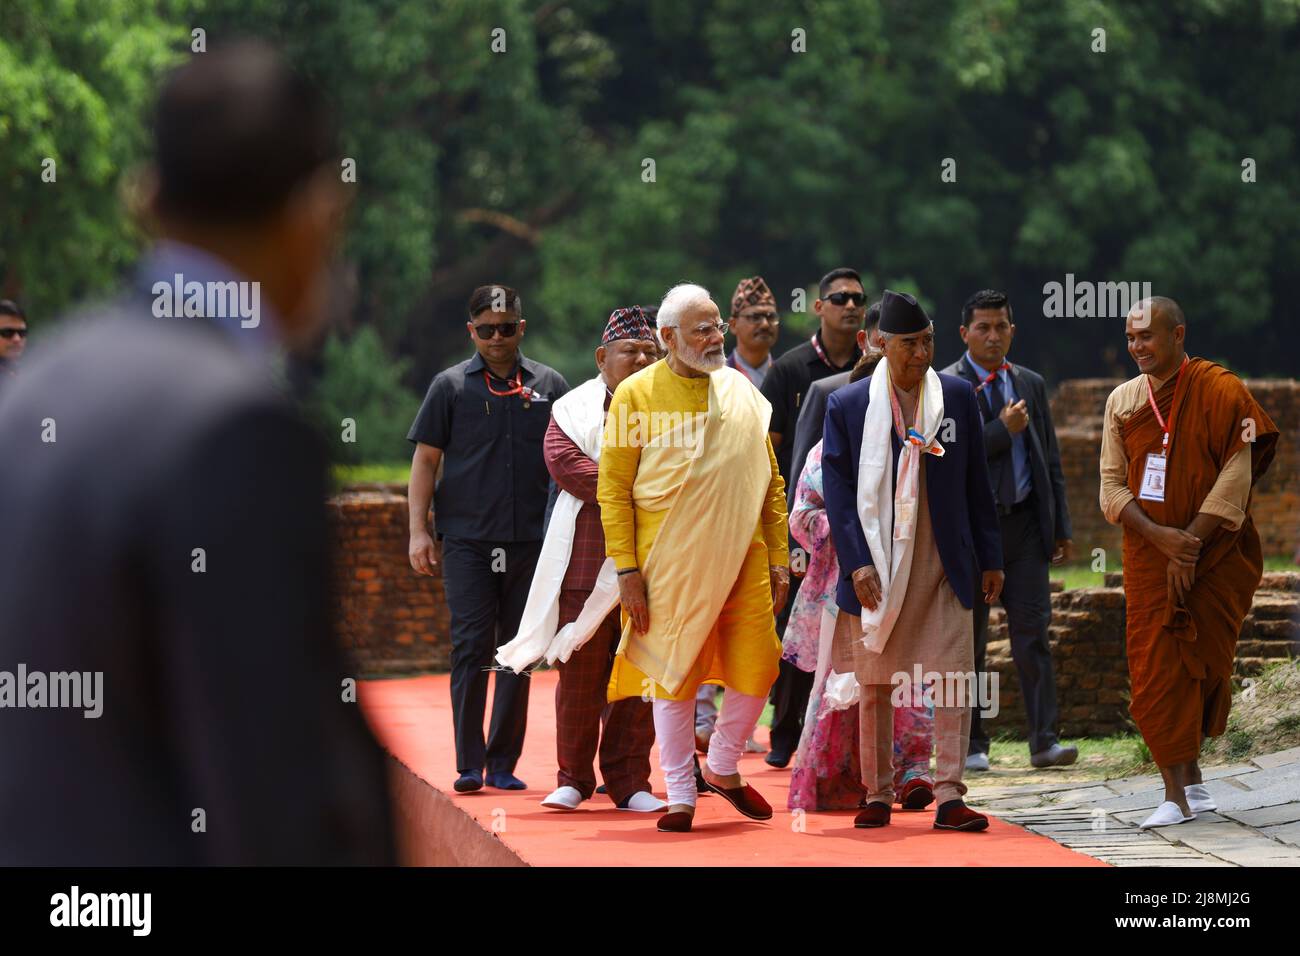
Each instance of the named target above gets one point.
<point>693,509</point>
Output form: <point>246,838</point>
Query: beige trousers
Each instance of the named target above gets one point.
<point>876,733</point>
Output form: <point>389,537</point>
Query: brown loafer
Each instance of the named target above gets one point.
<point>915,795</point>
<point>876,815</point>
<point>675,822</point>
<point>955,815</point>
<point>745,799</point>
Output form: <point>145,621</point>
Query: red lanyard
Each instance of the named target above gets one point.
<point>1005,366</point>
<point>1151,397</point>
<point>821,353</point>
<point>518,387</point>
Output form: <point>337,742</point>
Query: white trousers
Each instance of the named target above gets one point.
<point>675,732</point>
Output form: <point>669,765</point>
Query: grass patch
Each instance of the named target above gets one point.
<point>351,474</point>
<point>1265,715</point>
<point>1079,574</point>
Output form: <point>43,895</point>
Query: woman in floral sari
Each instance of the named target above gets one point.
<point>826,773</point>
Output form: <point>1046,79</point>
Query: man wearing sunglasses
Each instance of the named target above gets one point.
<point>842,307</point>
<point>13,335</point>
<point>484,422</point>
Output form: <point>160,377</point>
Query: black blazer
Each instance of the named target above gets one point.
<point>809,427</point>
<point>1044,455</point>
<point>222,688</point>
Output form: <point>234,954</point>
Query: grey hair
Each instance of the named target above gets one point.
<point>680,299</point>
<point>886,336</point>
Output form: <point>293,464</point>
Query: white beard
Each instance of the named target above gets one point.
<point>698,360</point>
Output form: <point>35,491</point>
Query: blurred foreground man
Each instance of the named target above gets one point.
<point>694,514</point>
<point>165,562</point>
<point>1182,446</point>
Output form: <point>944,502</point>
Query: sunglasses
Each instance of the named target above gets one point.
<point>488,329</point>
<point>10,333</point>
<point>759,318</point>
<point>841,298</point>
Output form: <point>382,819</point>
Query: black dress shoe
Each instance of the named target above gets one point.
<point>779,759</point>
<point>875,815</point>
<point>468,782</point>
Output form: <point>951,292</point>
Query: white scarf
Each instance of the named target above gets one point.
<point>881,495</point>
<point>580,414</point>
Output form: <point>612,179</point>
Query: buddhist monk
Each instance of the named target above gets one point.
<point>1182,446</point>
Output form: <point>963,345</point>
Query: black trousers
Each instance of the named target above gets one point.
<point>790,691</point>
<point>1026,596</point>
<point>486,584</point>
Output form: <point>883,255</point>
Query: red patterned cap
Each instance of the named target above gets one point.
<point>629,323</point>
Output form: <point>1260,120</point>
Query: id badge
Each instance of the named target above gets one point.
<point>1153,479</point>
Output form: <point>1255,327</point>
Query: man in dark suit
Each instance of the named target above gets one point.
<point>165,555</point>
<point>917,541</point>
<point>833,348</point>
<point>1025,469</point>
<point>812,411</point>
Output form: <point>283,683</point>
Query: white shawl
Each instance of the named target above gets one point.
<point>580,414</point>
<point>877,497</point>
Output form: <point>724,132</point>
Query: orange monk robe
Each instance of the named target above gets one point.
<point>1181,656</point>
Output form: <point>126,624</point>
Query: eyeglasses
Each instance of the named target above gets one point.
<point>10,333</point>
<point>758,318</point>
<point>700,331</point>
<point>488,329</point>
<point>840,298</point>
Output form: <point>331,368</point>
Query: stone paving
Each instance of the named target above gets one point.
<point>1257,822</point>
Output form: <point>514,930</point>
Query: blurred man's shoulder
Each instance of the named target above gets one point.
<point>109,362</point>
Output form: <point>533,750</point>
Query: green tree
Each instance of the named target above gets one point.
<point>360,402</point>
<point>76,77</point>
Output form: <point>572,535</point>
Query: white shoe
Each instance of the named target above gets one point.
<point>1199,799</point>
<point>977,761</point>
<point>1167,814</point>
<point>752,746</point>
<point>644,802</point>
<point>563,798</point>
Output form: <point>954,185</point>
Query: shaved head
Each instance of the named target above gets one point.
<point>1156,331</point>
<point>1161,309</point>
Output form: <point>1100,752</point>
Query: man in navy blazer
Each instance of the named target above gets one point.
<point>961,499</point>
<point>923,629</point>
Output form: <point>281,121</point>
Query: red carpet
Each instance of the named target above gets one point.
<point>412,719</point>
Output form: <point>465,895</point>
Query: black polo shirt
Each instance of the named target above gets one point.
<point>494,479</point>
<point>785,387</point>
